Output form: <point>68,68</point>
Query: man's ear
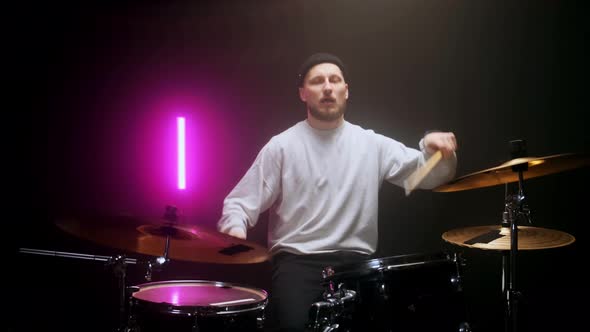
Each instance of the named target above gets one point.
<point>302,95</point>
<point>346,95</point>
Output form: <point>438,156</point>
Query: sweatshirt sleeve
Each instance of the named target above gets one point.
<point>398,162</point>
<point>442,173</point>
<point>254,193</point>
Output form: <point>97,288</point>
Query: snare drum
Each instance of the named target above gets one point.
<point>400,293</point>
<point>196,305</point>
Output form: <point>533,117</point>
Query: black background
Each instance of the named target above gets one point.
<point>90,79</point>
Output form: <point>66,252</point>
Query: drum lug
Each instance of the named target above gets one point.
<point>460,262</point>
<point>260,321</point>
<point>457,283</point>
<point>457,258</point>
<point>464,327</point>
<point>195,327</point>
<point>382,288</point>
<point>132,324</point>
<point>320,315</point>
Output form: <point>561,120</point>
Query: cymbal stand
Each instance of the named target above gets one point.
<point>515,208</point>
<point>118,265</point>
<point>157,264</point>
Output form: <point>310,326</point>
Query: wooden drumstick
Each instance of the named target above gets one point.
<point>415,178</point>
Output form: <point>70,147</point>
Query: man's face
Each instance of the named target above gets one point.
<point>325,92</point>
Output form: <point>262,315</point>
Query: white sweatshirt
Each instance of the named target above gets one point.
<point>322,187</point>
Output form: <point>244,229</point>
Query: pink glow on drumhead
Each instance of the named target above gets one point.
<point>175,299</point>
<point>199,294</point>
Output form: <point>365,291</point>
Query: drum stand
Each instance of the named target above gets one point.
<point>119,267</point>
<point>515,208</point>
<point>118,264</point>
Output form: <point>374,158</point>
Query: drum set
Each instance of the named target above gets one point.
<point>424,292</point>
<point>174,305</point>
<point>416,292</point>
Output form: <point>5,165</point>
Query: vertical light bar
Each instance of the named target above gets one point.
<point>180,125</point>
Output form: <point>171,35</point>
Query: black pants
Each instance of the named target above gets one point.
<point>296,284</point>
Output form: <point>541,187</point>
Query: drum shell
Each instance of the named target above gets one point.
<point>149,315</point>
<point>410,292</point>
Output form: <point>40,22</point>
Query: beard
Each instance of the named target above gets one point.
<point>327,115</point>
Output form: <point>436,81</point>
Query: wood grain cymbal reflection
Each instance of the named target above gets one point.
<point>496,237</point>
<point>148,236</point>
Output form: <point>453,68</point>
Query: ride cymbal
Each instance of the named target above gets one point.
<point>496,237</point>
<point>144,236</point>
<point>504,174</point>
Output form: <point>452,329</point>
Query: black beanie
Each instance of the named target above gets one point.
<point>316,59</point>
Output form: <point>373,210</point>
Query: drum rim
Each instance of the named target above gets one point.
<point>200,310</point>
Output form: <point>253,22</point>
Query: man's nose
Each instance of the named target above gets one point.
<point>328,87</point>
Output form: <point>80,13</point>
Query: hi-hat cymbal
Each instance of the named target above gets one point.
<point>496,237</point>
<point>504,174</point>
<point>145,236</point>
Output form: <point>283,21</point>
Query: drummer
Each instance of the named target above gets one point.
<point>320,179</point>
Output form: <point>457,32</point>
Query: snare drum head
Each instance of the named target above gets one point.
<point>185,296</point>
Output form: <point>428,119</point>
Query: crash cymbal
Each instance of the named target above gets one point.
<point>504,174</point>
<point>148,236</point>
<point>496,237</point>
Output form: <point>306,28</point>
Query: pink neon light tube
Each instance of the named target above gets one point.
<point>181,127</point>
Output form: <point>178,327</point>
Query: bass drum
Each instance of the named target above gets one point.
<point>400,293</point>
<point>196,305</point>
